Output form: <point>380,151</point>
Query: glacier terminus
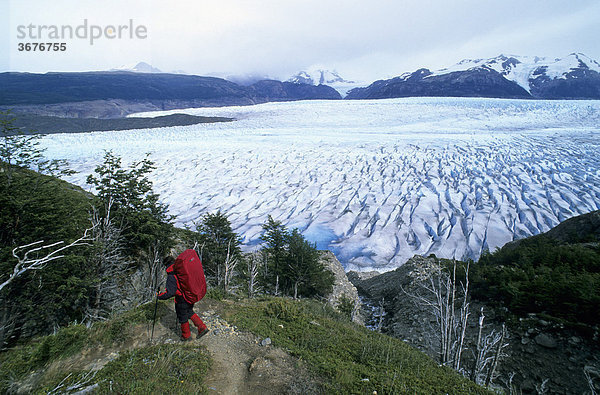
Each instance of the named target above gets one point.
<point>375,181</point>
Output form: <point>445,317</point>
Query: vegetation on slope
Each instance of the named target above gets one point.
<point>349,358</point>
<point>161,368</point>
<point>556,273</point>
<point>36,207</point>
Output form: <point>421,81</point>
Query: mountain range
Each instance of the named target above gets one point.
<point>121,91</point>
<point>110,94</point>
<point>574,77</point>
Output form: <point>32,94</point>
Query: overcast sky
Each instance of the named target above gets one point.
<point>364,40</point>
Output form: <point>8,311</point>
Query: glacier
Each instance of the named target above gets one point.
<point>374,181</point>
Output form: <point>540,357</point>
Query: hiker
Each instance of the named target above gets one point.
<point>186,281</point>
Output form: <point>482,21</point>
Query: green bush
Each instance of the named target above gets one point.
<point>540,275</point>
<point>216,293</point>
<point>17,362</point>
<point>346,306</point>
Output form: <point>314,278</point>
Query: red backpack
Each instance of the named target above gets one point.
<point>190,275</point>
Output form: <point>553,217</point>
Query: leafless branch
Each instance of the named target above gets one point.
<point>592,374</point>
<point>28,255</point>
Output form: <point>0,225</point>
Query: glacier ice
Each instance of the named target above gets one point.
<point>375,181</point>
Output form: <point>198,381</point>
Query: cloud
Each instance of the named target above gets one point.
<point>366,40</point>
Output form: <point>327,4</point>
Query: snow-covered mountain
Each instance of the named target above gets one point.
<point>141,67</point>
<point>527,70</point>
<point>575,76</point>
<point>320,76</point>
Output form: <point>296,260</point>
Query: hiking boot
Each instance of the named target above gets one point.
<point>186,339</point>
<point>204,332</point>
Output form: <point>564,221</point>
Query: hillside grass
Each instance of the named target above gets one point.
<point>348,357</point>
<point>153,368</point>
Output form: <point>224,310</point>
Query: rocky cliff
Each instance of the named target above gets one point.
<point>342,287</point>
<point>540,352</point>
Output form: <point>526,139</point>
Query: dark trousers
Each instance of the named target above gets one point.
<point>183,309</point>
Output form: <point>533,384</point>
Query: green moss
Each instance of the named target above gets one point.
<point>347,357</point>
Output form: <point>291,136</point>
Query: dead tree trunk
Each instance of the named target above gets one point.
<point>229,267</point>
<point>253,264</point>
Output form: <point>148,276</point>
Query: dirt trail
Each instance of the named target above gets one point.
<point>240,364</point>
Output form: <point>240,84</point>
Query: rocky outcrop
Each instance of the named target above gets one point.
<point>342,287</point>
<point>271,90</point>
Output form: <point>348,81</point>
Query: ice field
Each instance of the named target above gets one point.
<point>374,181</point>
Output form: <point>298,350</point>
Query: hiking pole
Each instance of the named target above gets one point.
<point>154,317</point>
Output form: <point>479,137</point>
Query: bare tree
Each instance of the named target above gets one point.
<point>7,323</point>
<point>229,265</point>
<point>496,357</point>
<point>36,255</point>
<point>110,263</point>
<point>442,294</point>
<point>82,384</point>
<point>448,300</point>
<point>146,287</point>
<point>487,354</point>
<point>592,375</point>
<point>199,249</point>
<point>253,263</point>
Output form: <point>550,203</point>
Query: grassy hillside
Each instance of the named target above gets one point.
<point>348,357</point>
<point>62,361</point>
<point>116,356</point>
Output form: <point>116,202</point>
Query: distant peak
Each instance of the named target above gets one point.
<point>318,76</point>
<point>140,67</point>
<point>524,69</point>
